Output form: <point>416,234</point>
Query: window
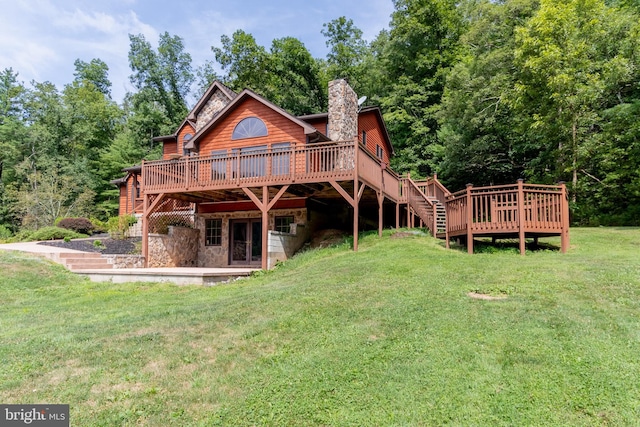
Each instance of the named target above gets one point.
<point>280,158</point>
<point>213,232</point>
<point>219,164</point>
<point>186,144</point>
<point>364,137</point>
<point>283,223</point>
<point>251,127</point>
<point>252,161</point>
<point>379,152</point>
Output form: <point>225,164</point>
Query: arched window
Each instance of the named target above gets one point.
<point>187,144</point>
<point>251,127</point>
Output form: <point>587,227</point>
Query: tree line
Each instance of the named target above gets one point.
<point>477,91</point>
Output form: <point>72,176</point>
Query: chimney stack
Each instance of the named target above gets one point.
<point>343,111</point>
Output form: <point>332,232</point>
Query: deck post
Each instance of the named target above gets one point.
<point>145,230</point>
<point>521,216</point>
<point>265,227</point>
<point>397,215</point>
<point>564,212</point>
<point>469,219</point>
<point>356,195</point>
<point>380,205</point>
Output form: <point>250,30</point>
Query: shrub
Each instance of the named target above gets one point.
<point>79,225</point>
<point>98,225</point>
<point>5,233</point>
<point>98,244</point>
<point>118,226</point>
<point>52,233</point>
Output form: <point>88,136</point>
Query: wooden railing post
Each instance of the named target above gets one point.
<point>469,219</point>
<point>521,216</point>
<point>356,197</point>
<point>238,168</point>
<point>564,213</point>
<point>435,221</point>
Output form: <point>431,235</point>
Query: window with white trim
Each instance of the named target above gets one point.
<point>213,232</point>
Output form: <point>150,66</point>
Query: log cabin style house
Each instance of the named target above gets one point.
<point>244,183</point>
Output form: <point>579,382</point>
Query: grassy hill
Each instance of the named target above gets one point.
<point>385,336</point>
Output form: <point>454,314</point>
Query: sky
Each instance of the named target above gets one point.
<point>41,39</point>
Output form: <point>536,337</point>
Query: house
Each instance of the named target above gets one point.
<point>244,183</point>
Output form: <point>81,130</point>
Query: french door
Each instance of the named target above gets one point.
<point>246,242</point>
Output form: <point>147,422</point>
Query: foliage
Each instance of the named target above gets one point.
<point>423,44</point>
<point>79,225</point>
<point>287,75</point>
<point>386,336</point>
<point>118,226</point>
<point>47,233</point>
<point>5,232</point>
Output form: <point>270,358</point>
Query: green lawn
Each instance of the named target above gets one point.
<point>385,336</point>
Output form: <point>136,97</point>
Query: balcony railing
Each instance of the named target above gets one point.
<point>280,164</point>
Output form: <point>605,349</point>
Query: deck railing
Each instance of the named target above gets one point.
<point>503,209</point>
<point>294,163</point>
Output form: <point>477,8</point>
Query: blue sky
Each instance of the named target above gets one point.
<point>40,39</point>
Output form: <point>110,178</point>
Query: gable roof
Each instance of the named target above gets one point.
<point>216,85</point>
<point>246,94</point>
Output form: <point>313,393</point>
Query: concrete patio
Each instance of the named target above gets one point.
<point>176,275</point>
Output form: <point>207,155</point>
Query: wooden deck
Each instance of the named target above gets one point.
<point>345,169</point>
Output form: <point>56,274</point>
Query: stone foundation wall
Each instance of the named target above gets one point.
<point>218,256</point>
<point>125,261</point>
<point>178,248</point>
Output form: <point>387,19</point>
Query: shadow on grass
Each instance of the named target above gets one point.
<point>487,246</point>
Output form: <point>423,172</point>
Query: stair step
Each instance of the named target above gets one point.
<point>89,266</point>
<point>77,255</point>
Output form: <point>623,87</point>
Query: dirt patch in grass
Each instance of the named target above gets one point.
<point>327,238</point>
<point>476,295</point>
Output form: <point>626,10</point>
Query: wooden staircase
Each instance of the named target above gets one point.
<point>429,208</point>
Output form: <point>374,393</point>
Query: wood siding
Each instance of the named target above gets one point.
<point>169,148</point>
<point>279,128</point>
<point>368,122</point>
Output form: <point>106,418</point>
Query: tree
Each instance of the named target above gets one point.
<point>480,139</point>
<point>347,49</point>
<point>287,74</point>
<point>574,58</point>
<point>245,62</point>
<point>163,77</point>
<point>423,44</point>
<point>95,72</point>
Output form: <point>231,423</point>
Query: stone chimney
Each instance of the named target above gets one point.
<point>343,111</point>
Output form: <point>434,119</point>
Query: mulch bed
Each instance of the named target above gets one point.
<point>109,246</point>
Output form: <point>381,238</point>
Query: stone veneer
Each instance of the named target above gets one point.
<point>216,103</point>
<point>125,261</point>
<point>343,111</point>
<point>178,248</point>
<point>218,256</point>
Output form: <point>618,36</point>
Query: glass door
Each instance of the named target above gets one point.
<point>246,242</point>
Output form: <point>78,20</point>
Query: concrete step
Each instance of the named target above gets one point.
<point>88,265</point>
<point>84,261</point>
<point>84,255</point>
